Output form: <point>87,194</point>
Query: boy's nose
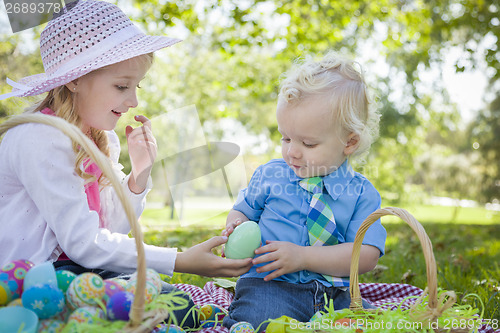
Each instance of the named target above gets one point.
<point>293,151</point>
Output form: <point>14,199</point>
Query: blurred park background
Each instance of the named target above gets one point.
<point>434,70</point>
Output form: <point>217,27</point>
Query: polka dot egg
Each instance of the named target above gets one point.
<point>164,328</point>
<point>153,284</point>
<point>84,290</point>
<point>242,327</point>
<point>12,275</point>
<point>86,314</point>
<point>45,300</point>
<point>50,326</point>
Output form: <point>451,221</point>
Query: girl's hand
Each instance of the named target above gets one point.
<point>200,260</point>
<point>142,150</point>
<point>284,257</point>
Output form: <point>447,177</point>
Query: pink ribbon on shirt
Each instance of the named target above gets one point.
<point>92,188</point>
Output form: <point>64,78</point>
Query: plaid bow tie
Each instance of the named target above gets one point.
<point>321,222</point>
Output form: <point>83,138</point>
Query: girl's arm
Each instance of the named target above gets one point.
<point>200,260</point>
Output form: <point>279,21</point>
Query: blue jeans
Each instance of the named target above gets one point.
<point>257,301</point>
<point>188,314</point>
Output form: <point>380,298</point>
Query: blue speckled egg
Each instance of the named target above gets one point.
<point>45,300</point>
<point>119,304</point>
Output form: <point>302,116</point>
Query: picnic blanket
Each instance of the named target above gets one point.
<point>385,296</point>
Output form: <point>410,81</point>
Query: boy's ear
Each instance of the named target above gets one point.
<point>352,144</point>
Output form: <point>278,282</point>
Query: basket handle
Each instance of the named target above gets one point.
<point>73,132</point>
<point>430,261</point>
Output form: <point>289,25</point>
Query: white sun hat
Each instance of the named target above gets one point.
<point>86,36</point>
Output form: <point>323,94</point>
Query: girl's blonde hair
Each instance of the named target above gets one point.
<point>62,101</point>
<point>338,79</point>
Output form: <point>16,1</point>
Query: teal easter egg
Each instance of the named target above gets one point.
<point>243,241</point>
<point>242,327</point>
<point>43,273</point>
<point>84,290</point>
<point>45,300</point>
<point>64,279</point>
<point>18,319</point>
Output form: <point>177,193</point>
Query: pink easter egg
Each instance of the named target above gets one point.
<point>16,271</point>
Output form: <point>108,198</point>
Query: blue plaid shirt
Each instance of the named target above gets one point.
<point>279,204</point>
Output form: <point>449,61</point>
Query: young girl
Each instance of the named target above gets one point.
<point>310,203</point>
<point>54,203</point>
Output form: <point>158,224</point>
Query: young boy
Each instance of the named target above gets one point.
<point>310,203</point>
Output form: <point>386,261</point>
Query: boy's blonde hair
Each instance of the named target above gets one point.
<point>338,79</point>
<point>62,101</point>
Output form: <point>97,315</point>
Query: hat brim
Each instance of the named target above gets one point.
<point>133,47</point>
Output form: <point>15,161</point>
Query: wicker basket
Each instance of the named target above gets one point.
<point>139,320</point>
<point>435,306</point>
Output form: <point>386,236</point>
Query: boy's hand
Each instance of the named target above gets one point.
<point>230,226</point>
<point>284,258</point>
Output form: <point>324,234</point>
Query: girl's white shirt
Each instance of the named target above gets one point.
<point>44,209</point>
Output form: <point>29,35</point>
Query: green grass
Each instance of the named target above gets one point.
<point>467,250</point>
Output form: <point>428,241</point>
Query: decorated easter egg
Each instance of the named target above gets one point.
<point>15,271</point>
<point>111,287</point>
<point>212,312</point>
<point>64,279</point>
<point>86,314</point>
<point>6,287</point>
<point>242,327</point>
<point>164,328</point>
<point>153,284</point>
<point>43,273</point>
<point>345,323</point>
<point>84,290</point>
<point>16,302</point>
<point>63,315</point>
<point>243,241</point>
<point>121,282</point>
<point>45,300</point>
<point>119,304</point>
<point>50,326</point>
<point>17,319</point>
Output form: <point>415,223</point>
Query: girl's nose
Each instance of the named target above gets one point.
<point>132,101</point>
